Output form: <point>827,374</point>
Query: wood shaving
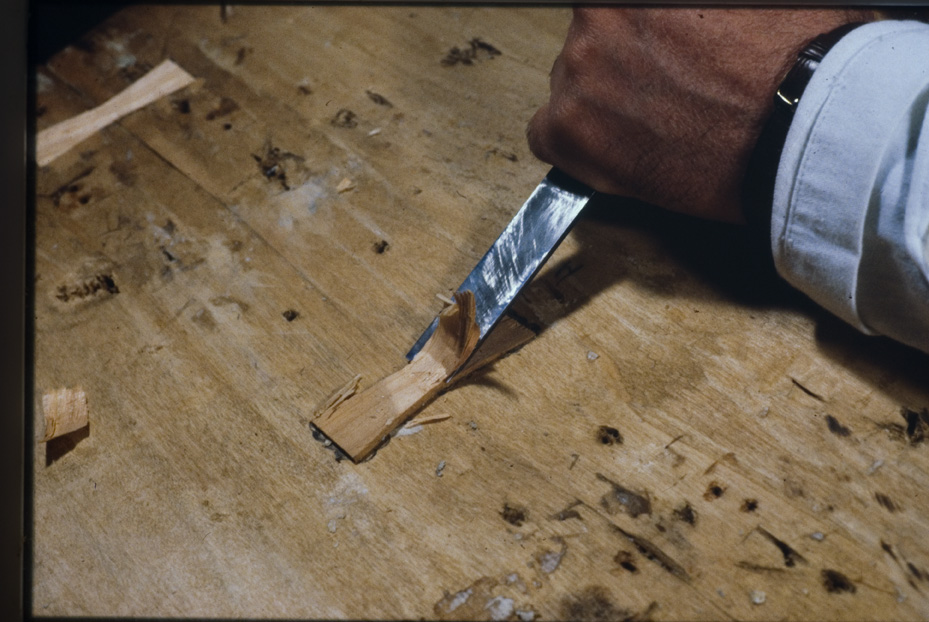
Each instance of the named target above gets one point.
<point>65,411</point>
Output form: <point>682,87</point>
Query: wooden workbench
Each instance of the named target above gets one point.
<point>685,439</point>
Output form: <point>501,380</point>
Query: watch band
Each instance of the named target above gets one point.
<point>758,186</point>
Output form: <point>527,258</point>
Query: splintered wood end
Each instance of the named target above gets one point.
<point>358,423</point>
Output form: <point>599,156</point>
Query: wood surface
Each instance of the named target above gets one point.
<point>685,438</point>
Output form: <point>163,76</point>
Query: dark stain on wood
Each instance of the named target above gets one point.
<point>749,505</point>
<point>622,499</point>
<point>813,394</point>
<point>506,155</point>
<point>568,512</point>
<point>345,118</point>
<point>304,89</point>
<point>686,514</point>
<point>91,287</point>
<point>476,50</point>
<point>514,514</point>
<point>917,425</point>
<point>714,491</point>
<point>886,502</point>
<point>594,604</point>
<point>241,54</point>
<point>181,105</point>
<point>290,315</point>
<point>273,163</point>
<point>608,435</point>
<point>914,430</point>
<point>889,550</point>
<point>379,99</point>
<point>752,567</point>
<point>381,247</point>
<point>69,189</point>
<point>837,428</point>
<point>652,553</point>
<point>836,583</point>
<point>226,106</point>
<point>791,556</point>
<point>626,561</point>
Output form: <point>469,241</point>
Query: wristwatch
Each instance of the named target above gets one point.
<point>758,186</point>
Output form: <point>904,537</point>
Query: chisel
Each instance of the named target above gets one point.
<point>524,246</point>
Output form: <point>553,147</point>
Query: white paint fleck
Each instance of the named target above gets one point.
<point>550,561</point>
<point>460,599</point>
<point>374,132</point>
<point>818,536</point>
<point>500,608</point>
<point>875,466</point>
<point>758,597</point>
<point>592,356</point>
<point>525,615</point>
<point>512,578</point>
<point>297,203</point>
<point>408,431</point>
<point>43,83</point>
<point>332,525</point>
<point>125,60</point>
<point>440,469</point>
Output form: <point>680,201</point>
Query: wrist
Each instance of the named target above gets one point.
<point>760,176</point>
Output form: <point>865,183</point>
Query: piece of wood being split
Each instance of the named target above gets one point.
<point>65,411</point>
<point>163,80</point>
<point>359,423</point>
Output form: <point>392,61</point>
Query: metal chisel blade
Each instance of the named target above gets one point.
<point>525,244</point>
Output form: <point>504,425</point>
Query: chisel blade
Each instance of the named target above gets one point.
<point>525,244</point>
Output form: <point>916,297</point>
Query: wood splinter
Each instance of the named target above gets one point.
<point>65,411</point>
<point>163,80</point>
<point>359,423</point>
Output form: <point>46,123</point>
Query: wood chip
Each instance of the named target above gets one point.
<point>359,423</point>
<point>59,138</point>
<point>345,185</point>
<point>65,411</point>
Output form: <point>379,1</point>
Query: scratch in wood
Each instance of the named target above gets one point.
<point>791,556</point>
<point>813,394</point>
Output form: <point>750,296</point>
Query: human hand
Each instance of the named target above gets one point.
<point>665,105</point>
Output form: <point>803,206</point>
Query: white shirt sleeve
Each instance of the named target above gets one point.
<point>850,224</point>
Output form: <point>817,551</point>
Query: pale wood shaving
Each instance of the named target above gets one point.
<point>59,138</point>
<point>424,419</point>
<point>337,397</point>
<point>65,411</point>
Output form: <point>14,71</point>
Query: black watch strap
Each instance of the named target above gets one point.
<point>758,187</point>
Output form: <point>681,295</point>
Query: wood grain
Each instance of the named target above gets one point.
<point>685,438</point>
